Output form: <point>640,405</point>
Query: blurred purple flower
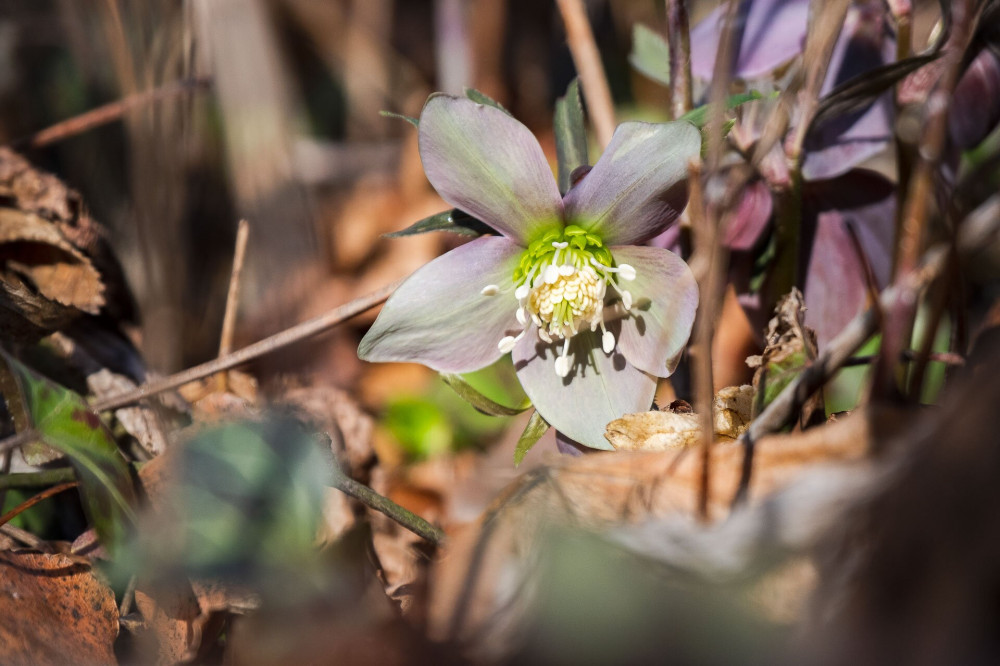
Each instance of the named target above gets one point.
<point>839,199</point>
<point>591,318</point>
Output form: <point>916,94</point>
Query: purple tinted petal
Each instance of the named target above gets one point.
<point>842,143</point>
<point>666,297</point>
<point>773,33</point>
<point>570,447</point>
<point>486,163</point>
<point>835,285</point>
<point>595,393</point>
<point>638,187</point>
<point>750,218</point>
<point>668,240</point>
<point>439,317</point>
<point>975,108</point>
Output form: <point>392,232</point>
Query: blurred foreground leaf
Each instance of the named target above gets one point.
<point>240,503</point>
<point>66,423</point>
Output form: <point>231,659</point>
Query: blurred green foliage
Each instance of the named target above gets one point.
<point>440,421</point>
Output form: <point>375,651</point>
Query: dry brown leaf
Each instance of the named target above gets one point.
<point>477,582</point>
<point>659,431</point>
<point>35,249</point>
<point>790,347</point>
<point>54,611</point>
<point>174,623</point>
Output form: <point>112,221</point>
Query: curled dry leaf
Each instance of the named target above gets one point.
<point>482,582</point>
<point>26,188</point>
<point>658,431</point>
<point>790,347</point>
<point>54,610</point>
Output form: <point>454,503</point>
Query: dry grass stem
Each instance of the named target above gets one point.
<point>587,59</point>
<point>233,296</point>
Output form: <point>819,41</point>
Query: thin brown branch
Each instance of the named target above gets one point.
<point>722,77</point>
<point>293,335</point>
<point>233,297</point>
<point>108,113</point>
<point>679,42</point>
<point>705,244</point>
<point>826,21</point>
<point>32,501</point>
<point>386,506</point>
<point>916,207</point>
<point>947,358</point>
<point>587,59</point>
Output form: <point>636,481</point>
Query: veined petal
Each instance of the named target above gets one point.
<point>486,163</point>
<point>835,287</point>
<point>594,393</point>
<point>773,32</point>
<point>638,187</point>
<point>440,316</point>
<point>666,298</point>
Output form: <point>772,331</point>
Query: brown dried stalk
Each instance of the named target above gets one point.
<point>679,42</point>
<point>588,64</point>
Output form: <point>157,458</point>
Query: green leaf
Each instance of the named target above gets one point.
<point>452,220</point>
<point>571,134</point>
<point>762,264</point>
<point>66,423</point>
<point>532,433</point>
<point>484,99</point>
<point>650,54</point>
<point>477,399</point>
<point>698,117</point>
<point>781,372</point>
<point>410,119</point>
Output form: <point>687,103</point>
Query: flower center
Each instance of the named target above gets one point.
<point>562,286</point>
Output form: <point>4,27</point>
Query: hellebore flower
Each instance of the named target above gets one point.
<point>839,199</point>
<point>590,318</point>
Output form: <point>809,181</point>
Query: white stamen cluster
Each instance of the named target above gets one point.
<point>562,291</point>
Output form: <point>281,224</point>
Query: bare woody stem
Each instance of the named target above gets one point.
<point>917,205</point>
<point>826,23</point>
<point>587,59</point>
<point>679,41</point>
<point>293,335</point>
<point>386,506</point>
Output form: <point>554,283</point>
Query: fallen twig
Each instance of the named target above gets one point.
<point>386,506</point>
<point>290,336</point>
<point>108,113</point>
